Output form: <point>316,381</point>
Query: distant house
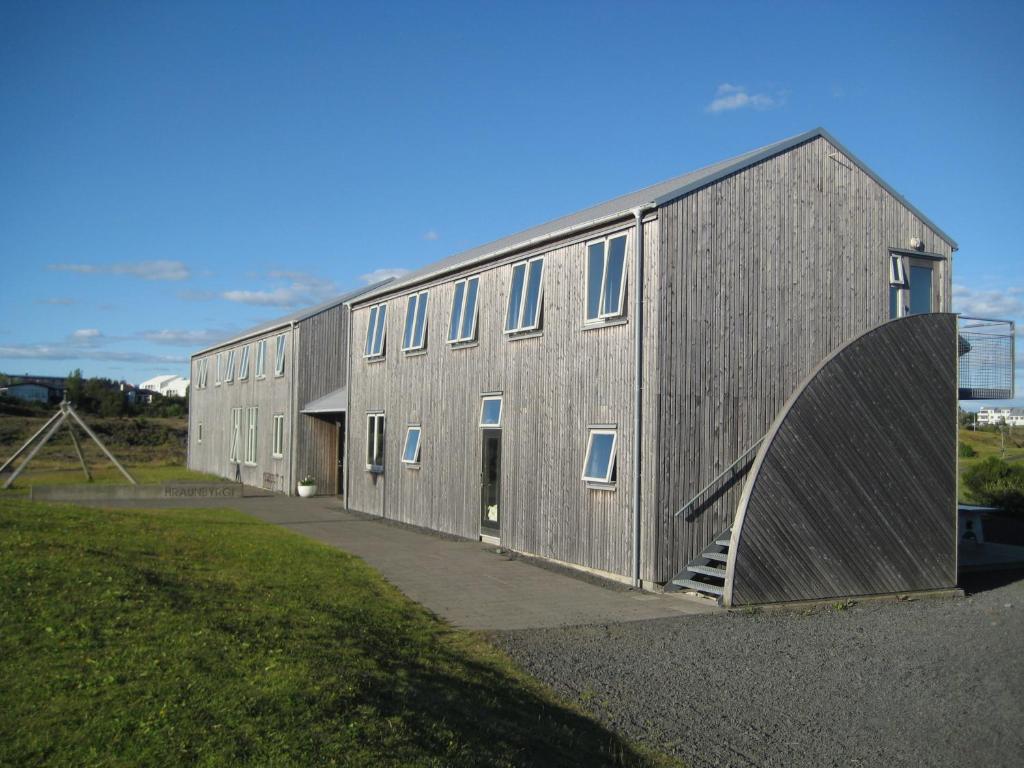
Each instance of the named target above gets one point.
<point>167,385</point>
<point>56,384</point>
<point>1012,417</point>
<point>32,392</point>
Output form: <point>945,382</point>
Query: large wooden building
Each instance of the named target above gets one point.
<point>631,388</point>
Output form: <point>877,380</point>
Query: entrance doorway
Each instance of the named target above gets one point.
<point>490,483</point>
<point>340,480</point>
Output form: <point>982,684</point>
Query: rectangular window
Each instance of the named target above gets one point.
<point>462,324</point>
<point>920,290</point>
<point>411,454</point>
<point>278,451</point>
<point>243,364</point>
<point>229,367</point>
<point>894,302</point>
<point>490,411</point>
<point>199,433</point>
<point>250,435</point>
<point>205,371</point>
<point>376,331</point>
<point>415,322</point>
<point>599,466</point>
<point>236,434</point>
<point>218,371</point>
<point>261,358</point>
<point>375,442</point>
<point>896,276</point>
<point>606,265</point>
<point>279,357</point>
<point>525,296</point>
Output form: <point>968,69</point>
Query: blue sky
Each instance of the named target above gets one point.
<point>174,172</point>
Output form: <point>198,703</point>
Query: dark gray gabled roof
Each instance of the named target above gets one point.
<point>294,317</point>
<point>619,207</point>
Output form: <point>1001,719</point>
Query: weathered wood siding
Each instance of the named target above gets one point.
<point>854,492</point>
<point>321,349</point>
<point>554,386</point>
<point>212,408</point>
<point>760,277</point>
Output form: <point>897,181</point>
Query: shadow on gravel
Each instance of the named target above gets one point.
<point>985,581</point>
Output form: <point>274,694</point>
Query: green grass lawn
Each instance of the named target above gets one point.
<point>988,443</point>
<point>205,637</point>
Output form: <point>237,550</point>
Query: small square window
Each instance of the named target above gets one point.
<point>599,466</point>
<point>411,454</point>
<point>490,411</point>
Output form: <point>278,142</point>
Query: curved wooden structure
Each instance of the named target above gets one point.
<point>853,492</point>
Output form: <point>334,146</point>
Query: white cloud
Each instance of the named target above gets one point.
<point>63,352</point>
<point>301,291</point>
<point>383,274</point>
<point>430,234</point>
<point>182,338</point>
<point>729,97</point>
<point>1008,303</point>
<point>86,336</point>
<point>56,301</point>
<point>160,269</point>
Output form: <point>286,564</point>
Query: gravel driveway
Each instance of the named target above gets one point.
<point>931,682</point>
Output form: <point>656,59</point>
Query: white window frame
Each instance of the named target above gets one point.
<point>261,359</point>
<point>603,314</point>
<point>218,371</point>
<point>377,318</point>
<point>897,273</point>
<point>243,364</point>
<point>459,337</point>
<point>199,433</point>
<point>412,308</point>
<point>372,445</point>
<point>501,408</point>
<point>229,369</point>
<point>234,449</point>
<point>205,371</point>
<point>607,479</point>
<point>535,326</point>
<point>415,460</point>
<point>280,351</point>
<point>251,434</point>
<point>278,445</point>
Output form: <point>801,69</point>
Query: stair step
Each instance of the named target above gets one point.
<point>723,542</point>
<point>720,557</point>
<point>699,586</point>
<point>704,570</point>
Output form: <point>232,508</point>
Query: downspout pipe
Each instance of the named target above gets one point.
<point>638,363</point>
<point>292,355</point>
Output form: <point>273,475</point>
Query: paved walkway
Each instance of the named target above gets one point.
<point>466,582</point>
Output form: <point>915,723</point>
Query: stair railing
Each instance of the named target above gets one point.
<point>732,471</point>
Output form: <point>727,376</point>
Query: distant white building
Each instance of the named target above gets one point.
<point>175,386</point>
<point>1012,417</point>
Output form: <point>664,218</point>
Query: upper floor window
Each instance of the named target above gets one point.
<point>415,322</point>
<point>279,356</point>
<point>525,296</point>
<point>599,466</point>
<point>606,262</point>
<point>261,358</point>
<point>896,275</point>
<point>229,367</point>
<point>490,411</point>
<point>201,367</point>
<point>243,364</point>
<point>376,330</point>
<point>462,325</point>
<point>218,372</point>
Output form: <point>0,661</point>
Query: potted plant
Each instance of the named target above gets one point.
<point>307,487</point>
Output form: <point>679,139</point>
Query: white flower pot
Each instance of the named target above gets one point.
<point>305,491</point>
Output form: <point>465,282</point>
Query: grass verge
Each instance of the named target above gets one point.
<point>205,637</point>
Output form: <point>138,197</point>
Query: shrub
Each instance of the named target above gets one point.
<point>965,451</point>
<point>995,483</point>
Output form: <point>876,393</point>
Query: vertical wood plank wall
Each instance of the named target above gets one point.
<point>855,491</point>
<point>554,385</point>
<point>761,276</point>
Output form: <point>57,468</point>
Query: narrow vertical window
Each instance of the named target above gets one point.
<point>279,355</point>
<point>411,452</point>
<point>218,371</point>
<point>415,322</point>
<point>462,324</point>
<point>599,465</point>
<point>278,450</point>
<point>376,331</point>
<point>490,411</point>
<point>606,270</point>
<point>199,433</point>
<point>896,276</point>
<point>236,434</point>
<point>375,442</point>
<point>243,364</point>
<point>229,367</point>
<point>261,358</point>
<point>250,435</point>
<point>525,296</point>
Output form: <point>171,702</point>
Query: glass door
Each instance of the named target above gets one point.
<point>490,483</point>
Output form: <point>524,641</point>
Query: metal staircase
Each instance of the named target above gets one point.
<point>705,574</point>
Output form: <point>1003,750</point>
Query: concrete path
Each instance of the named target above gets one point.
<point>466,582</point>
